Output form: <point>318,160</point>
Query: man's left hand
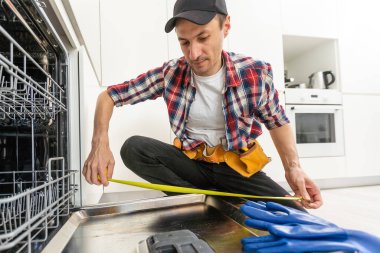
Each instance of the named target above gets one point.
<point>304,187</point>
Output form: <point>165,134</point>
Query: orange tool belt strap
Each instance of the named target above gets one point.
<point>246,163</point>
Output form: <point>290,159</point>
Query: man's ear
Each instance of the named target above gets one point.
<point>226,26</point>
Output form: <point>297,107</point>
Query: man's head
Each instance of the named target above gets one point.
<point>201,26</point>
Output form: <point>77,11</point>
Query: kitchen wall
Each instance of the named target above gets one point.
<point>132,40</point>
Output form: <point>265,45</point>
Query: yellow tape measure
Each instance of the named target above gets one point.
<point>178,189</point>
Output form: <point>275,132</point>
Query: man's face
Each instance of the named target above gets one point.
<point>202,44</point>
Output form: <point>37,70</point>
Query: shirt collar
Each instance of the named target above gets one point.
<point>232,76</point>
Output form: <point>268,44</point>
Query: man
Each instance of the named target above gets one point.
<point>216,101</point>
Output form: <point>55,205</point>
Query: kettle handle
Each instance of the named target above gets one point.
<point>325,78</point>
<point>310,80</point>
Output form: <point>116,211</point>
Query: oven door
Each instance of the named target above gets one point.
<point>318,129</point>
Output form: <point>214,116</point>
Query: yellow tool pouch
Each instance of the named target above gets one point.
<point>246,164</point>
<point>249,162</point>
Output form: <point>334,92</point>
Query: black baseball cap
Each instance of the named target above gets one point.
<point>197,11</point>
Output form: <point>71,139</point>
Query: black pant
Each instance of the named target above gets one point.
<point>161,163</point>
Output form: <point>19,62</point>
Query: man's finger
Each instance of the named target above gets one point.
<point>94,174</point>
<point>84,169</point>
<point>317,201</point>
<point>302,190</point>
<point>110,167</point>
<point>102,175</point>
<point>88,173</point>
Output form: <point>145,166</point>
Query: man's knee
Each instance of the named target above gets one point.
<point>130,149</point>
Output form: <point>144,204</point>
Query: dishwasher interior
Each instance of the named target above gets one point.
<point>36,185</point>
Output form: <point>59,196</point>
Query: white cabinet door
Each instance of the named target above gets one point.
<point>315,18</point>
<point>84,16</point>
<point>133,38</point>
<point>359,44</point>
<point>256,32</point>
<point>89,90</point>
<point>133,42</point>
<point>174,49</point>
<point>361,121</point>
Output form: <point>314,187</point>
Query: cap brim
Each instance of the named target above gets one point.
<point>197,17</point>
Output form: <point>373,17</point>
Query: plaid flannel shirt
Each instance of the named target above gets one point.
<point>249,97</point>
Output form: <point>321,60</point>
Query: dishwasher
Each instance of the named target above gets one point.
<point>36,185</point>
<point>39,207</point>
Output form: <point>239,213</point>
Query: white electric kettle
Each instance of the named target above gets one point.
<point>321,79</point>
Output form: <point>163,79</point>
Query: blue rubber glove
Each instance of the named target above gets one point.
<point>288,222</point>
<point>299,231</point>
<point>292,230</point>
<point>356,241</point>
<point>275,213</point>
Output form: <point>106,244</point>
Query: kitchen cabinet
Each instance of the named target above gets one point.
<point>359,41</point>
<point>173,47</point>
<point>89,90</point>
<point>361,123</point>
<point>314,18</point>
<point>85,19</point>
<point>126,121</point>
<point>310,39</point>
<point>256,32</point>
<point>133,41</point>
<point>114,51</point>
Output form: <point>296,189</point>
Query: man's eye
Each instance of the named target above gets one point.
<point>184,43</point>
<point>203,38</point>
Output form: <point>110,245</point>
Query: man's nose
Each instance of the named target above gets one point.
<point>195,51</point>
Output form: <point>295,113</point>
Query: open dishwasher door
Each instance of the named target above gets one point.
<point>125,227</point>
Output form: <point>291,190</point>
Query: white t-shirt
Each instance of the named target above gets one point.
<point>206,119</point>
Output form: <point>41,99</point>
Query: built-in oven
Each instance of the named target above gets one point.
<point>316,116</point>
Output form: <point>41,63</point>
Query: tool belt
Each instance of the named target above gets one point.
<point>246,163</point>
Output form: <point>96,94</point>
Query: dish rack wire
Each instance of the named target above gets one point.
<point>34,206</point>
<point>22,98</point>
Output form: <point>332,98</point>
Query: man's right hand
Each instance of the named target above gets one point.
<point>100,162</point>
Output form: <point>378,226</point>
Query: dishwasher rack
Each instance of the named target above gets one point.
<point>27,215</point>
<point>37,185</point>
<point>22,98</point>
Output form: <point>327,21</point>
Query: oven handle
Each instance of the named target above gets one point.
<point>313,108</point>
